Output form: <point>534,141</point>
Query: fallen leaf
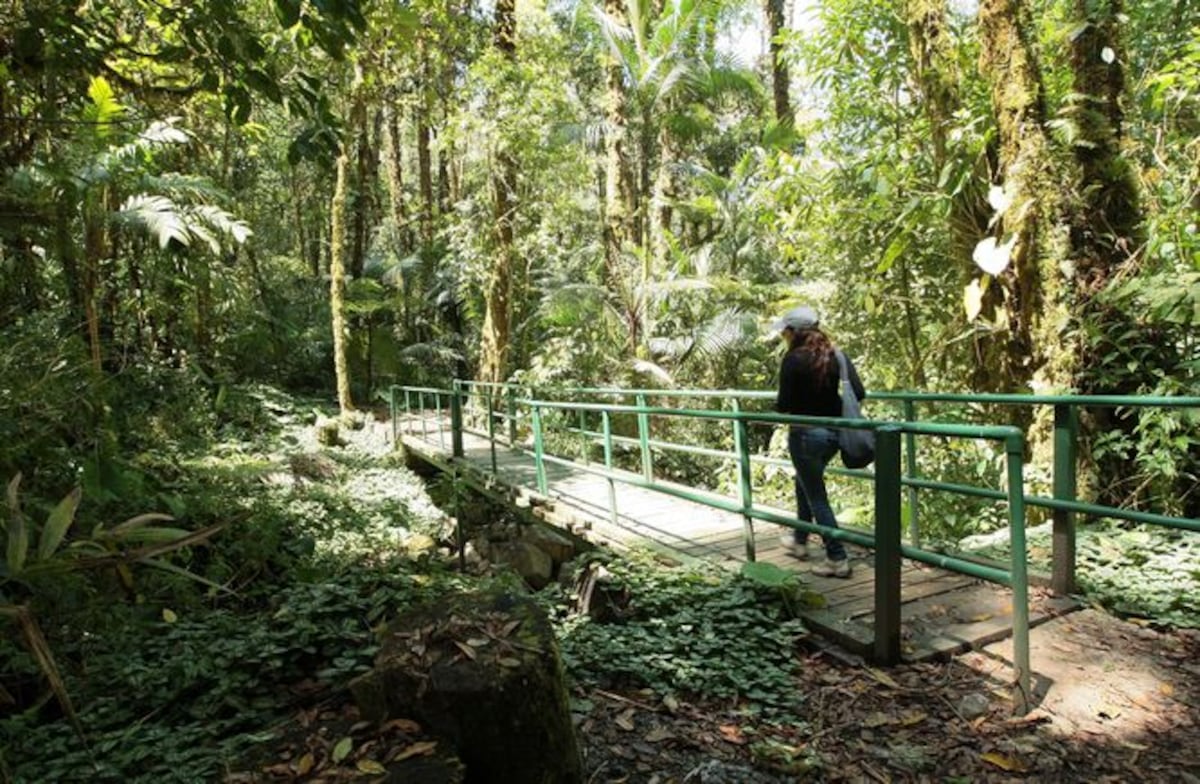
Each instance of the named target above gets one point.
<point>305,765</point>
<point>509,628</point>
<point>407,726</point>
<point>912,717</point>
<point>467,650</point>
<point>876,719</point>
<point>980,617</point>
<point>1166,689</point>
<point>369,766</point>
<point>419,749</point>
<point>508,661</point>
<point>342,749</point>
<point>625,720</point>
<point>671,703</point>
<point>169,616</point>
<point>478,642</point>
<point>883,678</point>
<point>1003,762</point>
<point>732,733</point>
<point>659,734</point>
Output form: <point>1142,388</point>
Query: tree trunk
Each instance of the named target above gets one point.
<point>337,283</point>
<point>618,180</point>
<point>1027,298</point>
<point>395,175</point>
<point>931,50</point>
<point>362,183</point>
<point>502,703</point>
<point>1106,235</point>
<point>424,164</point>
<point>773,10</point>
<point>494,349</point>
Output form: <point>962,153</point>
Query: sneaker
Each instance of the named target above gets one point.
<point>830,568</point>
<point>802,551</point>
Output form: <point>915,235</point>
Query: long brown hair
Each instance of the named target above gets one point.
<point>817,345</point>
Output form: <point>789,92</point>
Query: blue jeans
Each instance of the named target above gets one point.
<point>811,449</point>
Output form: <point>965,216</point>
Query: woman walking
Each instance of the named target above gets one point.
<point>808,385</point>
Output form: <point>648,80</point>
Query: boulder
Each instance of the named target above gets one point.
<point>534,566</point>
<point>559,547</point>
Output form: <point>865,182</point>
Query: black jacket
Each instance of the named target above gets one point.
<point>802,390</point>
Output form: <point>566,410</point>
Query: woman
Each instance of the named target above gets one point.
<point>808,385</point>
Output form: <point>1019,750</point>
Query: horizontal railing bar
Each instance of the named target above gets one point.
<point>1132,515</point>
<point>903,395</point>
<point>861,538</point>
<point>994,432</point>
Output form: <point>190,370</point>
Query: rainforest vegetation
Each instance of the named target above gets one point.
<point>222,220</point>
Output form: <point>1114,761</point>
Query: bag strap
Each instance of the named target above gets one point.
<point>842,371</point>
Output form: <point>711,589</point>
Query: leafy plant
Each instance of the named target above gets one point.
<point>690,630</point>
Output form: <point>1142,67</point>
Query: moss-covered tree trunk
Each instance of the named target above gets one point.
<point>424,162</point>
<point>395,176</point>
<point>773,10</point>
<point>1106,237</point>
<point>482,672</point>
<point>1026,301</point>
<point>494,348</point>
<point>931,49</point>
<point>337,283</point>
<point>618,179</point>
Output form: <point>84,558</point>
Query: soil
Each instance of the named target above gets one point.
<point>1117,702</point>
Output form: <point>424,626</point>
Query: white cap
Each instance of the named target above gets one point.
<point>802,317</point>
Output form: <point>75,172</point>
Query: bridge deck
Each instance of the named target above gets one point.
<point>942,612</point>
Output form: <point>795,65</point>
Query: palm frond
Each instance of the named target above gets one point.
<point>726,331</point>
<point>158,216</point>
<point>655,371</point>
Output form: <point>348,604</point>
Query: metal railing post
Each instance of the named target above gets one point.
<point>887,545</point>
<point>407,411</point>
<point>441,429</point>
<point>741,438</point>
<point>583,439</point>
<point>421,406</point>
<point>456,419</point>
<point>644,438</point>
<point>1022,697</point>
<point>1066,431</point>
<point>491,424</point>
<point>392,411</point>
<point>910,472</point>
<point>510,394</point>
<point>608,465</point>
<point>538,462</point>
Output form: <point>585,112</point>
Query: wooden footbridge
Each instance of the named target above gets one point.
<point>595,461</point>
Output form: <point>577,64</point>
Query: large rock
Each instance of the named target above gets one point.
<point>528,560</point>
<point>481,671</point>
<point>559,547</point>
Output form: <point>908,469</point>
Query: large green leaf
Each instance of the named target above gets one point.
<point>768,574</point>
<point>58,523</point>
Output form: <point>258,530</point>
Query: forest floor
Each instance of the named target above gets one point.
<point>1124,705</point>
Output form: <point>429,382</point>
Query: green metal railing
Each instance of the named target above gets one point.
<point>1062,504</point>
<point>888,478</point>
<point>515,417</point>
